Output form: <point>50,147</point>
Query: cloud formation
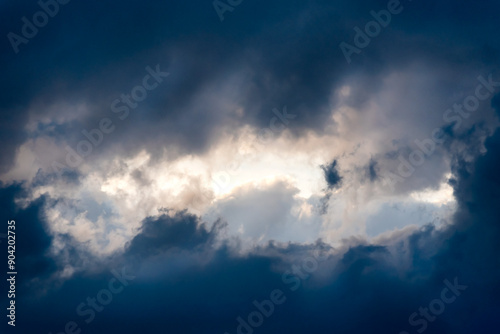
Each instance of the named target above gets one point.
<point>217,162</point>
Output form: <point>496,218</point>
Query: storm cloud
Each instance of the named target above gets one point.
<point>171,171</point>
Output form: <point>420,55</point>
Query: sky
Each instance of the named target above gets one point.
<point>240,167</point>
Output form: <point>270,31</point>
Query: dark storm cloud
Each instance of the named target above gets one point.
<point>182,231</point>
<point>32,238</point>
<point>93,52</point>
<point>96,51</point>
<point>495,103</point>
<point>333,181</point>
<point>371,170</point>
<point>332,176</point>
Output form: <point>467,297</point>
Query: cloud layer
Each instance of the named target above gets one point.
<point>181,171</point>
